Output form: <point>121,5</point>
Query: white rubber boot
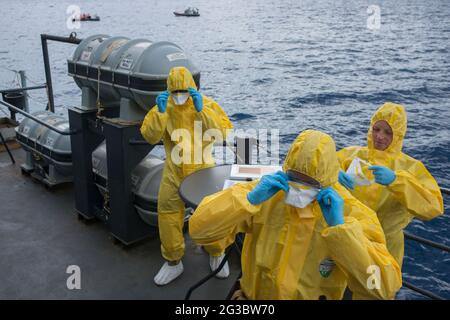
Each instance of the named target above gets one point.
<point>168,273</point>
<point>214,263</point>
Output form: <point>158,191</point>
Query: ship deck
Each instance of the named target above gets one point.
<point>41,235</point>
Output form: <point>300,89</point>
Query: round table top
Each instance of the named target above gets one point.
<point>203,183</point>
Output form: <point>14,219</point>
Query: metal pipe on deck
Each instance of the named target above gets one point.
<point>48,76</point>
<point>42,86</point>
<point>28,115</point>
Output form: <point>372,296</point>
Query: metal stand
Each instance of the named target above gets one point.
<point>122,157</point>
<point>117,210</point>
<point>88,199</point>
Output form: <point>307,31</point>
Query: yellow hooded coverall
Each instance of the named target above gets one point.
<point>414,192</point>
<point>157,126</point>
<point>291,253</point>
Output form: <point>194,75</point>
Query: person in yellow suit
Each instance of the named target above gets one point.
<point>403,188</point>
<point>178,111</point>
<point>310,249</point>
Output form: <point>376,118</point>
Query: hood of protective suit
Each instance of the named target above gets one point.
<point>314,153</point>
<point>180,78</point>
<point>395,116</point>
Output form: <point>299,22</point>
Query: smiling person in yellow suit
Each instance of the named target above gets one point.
<point>403,187</point>
<point>178,109</point>
<point>301,253</point>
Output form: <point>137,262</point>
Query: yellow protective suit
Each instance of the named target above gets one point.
<point>291,253</point>
<point>414,192</point>
<point>160,126</point>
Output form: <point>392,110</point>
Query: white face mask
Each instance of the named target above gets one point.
<point>300,195</point>
<point>355,170</point>
<point>180,98</point>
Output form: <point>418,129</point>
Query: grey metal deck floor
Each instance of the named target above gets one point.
<point>40,236</point>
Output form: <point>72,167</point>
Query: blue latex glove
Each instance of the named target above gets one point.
<point>383,175</point>
<point>197,99</point>
<point>267,187</point>
<point>161,101</point>
<point>332,206</point>
<point>346,180</point>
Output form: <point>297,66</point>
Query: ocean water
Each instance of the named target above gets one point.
<point>285,64</point>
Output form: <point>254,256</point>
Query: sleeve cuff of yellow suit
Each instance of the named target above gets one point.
<point>250,207</point>
<point>349,224</point>
<point>401,177</point>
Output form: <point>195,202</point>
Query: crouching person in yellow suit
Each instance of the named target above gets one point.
<point>402,188</point>
<point>313,249</point>
<point>178,112</point>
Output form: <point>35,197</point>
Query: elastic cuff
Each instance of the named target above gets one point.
<point>398,179</point>
<point>214,249</point>
<point>340,222</point>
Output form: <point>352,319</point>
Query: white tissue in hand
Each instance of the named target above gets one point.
<point>356,172</point>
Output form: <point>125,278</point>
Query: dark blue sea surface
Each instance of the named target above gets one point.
<point>285,64</point>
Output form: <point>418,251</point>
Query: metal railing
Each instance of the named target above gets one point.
<point>423,292</point>
<point>42,86</point>
<point>431,244</point>
<point>30,116</point>
<point>72,38</point>
<point>426,242</point>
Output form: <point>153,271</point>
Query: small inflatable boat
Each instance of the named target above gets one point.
<point>189,12</point>
<point>86,17</point>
